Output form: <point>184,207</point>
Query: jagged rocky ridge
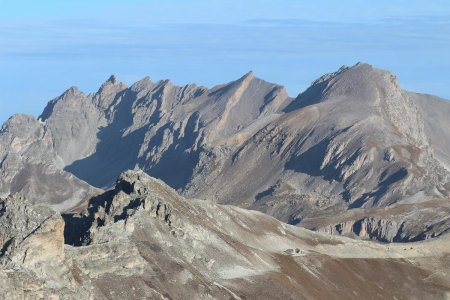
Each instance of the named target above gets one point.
<point>143,240</point>
<point>335,157</point>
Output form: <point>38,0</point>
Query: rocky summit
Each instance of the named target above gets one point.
<point>142,240</point>
<point>353,155</point>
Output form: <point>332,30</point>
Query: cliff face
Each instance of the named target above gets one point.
<point>30,165</point>
<point>354,141</point>
<point>143,240</point>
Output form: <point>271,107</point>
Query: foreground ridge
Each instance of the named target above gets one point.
<point>143,240</point>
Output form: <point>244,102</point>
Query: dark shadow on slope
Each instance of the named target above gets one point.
<point>115,153</point>
<point>80,228</point>
<point>76,229</point>
<point>265,193</point>
<point>48,110</point>
<point>313,95</point>
<point>5,246</point>
<point>382,188</point>
<point>270,97</point>
<point>310,161</point>
<point>178,161</point>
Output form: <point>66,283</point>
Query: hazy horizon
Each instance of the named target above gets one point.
<point>50,46</point>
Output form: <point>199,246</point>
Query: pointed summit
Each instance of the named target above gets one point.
<point>73,90</point>
<point>240,84</point>
<point>249,75</point>
<point>108,91</point>
<point>111,83</point>
<point>246,78</point>
<point>143,84</point>
<point>112,79</point>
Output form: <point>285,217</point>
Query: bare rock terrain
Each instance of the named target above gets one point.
<point>142,240</point>
<point>354,154</point>
<point>29,165</point>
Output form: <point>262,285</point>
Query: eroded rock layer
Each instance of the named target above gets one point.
<point>142,240</point>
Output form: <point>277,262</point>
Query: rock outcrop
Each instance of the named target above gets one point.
<point>32,251</point>
<point>29,235</point>
<point>143,240</point>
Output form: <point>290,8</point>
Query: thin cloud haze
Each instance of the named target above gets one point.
<point>50,54</point>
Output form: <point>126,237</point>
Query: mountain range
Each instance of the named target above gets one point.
<point>353,155</point>
<point>238,191</point>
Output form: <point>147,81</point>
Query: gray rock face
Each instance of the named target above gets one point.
<point>32,250</point>
<point>30,165</point>
<point>19,220</point>
<point>404,223</point>
<point>142,240</point>
<point>353,142</point>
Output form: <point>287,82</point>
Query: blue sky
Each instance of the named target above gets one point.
<point>47,46</point>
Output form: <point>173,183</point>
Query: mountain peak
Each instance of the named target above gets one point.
<point>19,123</point>
<point>362,79</point>
<point>112,79</point>
<point>108,91</point>
<point>73,90</point>
<point>144,83</point>
<point>361,63</point>
<point>247,76</point>
<point>360,67</point>
<point>361,82</point>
